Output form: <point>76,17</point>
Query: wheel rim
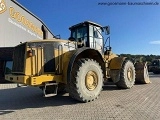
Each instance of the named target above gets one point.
<point>91,80</point>
<point>130,74</point>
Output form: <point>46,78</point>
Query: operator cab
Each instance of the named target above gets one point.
<point>88,34</point>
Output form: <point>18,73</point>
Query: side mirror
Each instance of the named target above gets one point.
<point>107,30</point>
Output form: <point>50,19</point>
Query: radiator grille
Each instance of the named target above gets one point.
<point>18,58</point>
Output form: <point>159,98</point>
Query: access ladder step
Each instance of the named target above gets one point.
<point>50,89</point>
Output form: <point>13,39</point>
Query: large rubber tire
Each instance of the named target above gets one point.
<point>86,80</point>
<point>142,75</point>
<point>127,75</point>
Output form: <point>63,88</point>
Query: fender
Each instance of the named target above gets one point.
<point>115,66</point>
<point>116,63</point>
<point>84,52</point>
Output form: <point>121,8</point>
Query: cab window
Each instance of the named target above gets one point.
<point>8,67</point>
<point>79,33</point>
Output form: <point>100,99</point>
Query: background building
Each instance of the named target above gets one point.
<point>17,26</point>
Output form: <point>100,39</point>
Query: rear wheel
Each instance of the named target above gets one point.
<point>142,75</point>
<point>86,80</point>
<point>127,75</point>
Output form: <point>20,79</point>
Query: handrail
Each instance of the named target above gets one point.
<point>60,53</point>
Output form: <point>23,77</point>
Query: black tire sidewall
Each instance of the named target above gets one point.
<point>83,70</point>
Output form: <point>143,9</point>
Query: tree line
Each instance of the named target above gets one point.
<point>141,58</point>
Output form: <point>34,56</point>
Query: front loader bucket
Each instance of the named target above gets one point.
<point>142,75</point>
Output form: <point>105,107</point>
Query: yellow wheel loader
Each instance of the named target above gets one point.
<point>80,65</point>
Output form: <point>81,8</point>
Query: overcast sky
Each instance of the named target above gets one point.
<point>135,29</point>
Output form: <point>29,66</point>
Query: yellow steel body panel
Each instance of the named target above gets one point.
<point>18,78</point>
<point>33,80</point>
<point>39,80</point>
<point>116,63</point>
<point>58,60</point>
<point>50,40</point>
<point>32,68</point>
<point>66,58</point>
<point>110,56</point>
<point>33,73</point>
<point>29,69</point>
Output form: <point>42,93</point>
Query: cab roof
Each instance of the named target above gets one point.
<point>85,23</point>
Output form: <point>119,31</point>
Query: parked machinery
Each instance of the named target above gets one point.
<point>80,64</point>
<point>155,66</point>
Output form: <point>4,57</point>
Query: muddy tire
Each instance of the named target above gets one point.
<point>127,75</point>
<point>86,80</point>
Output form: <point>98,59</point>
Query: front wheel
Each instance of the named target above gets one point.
<point>86,80</point>
<point>127,75</point>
